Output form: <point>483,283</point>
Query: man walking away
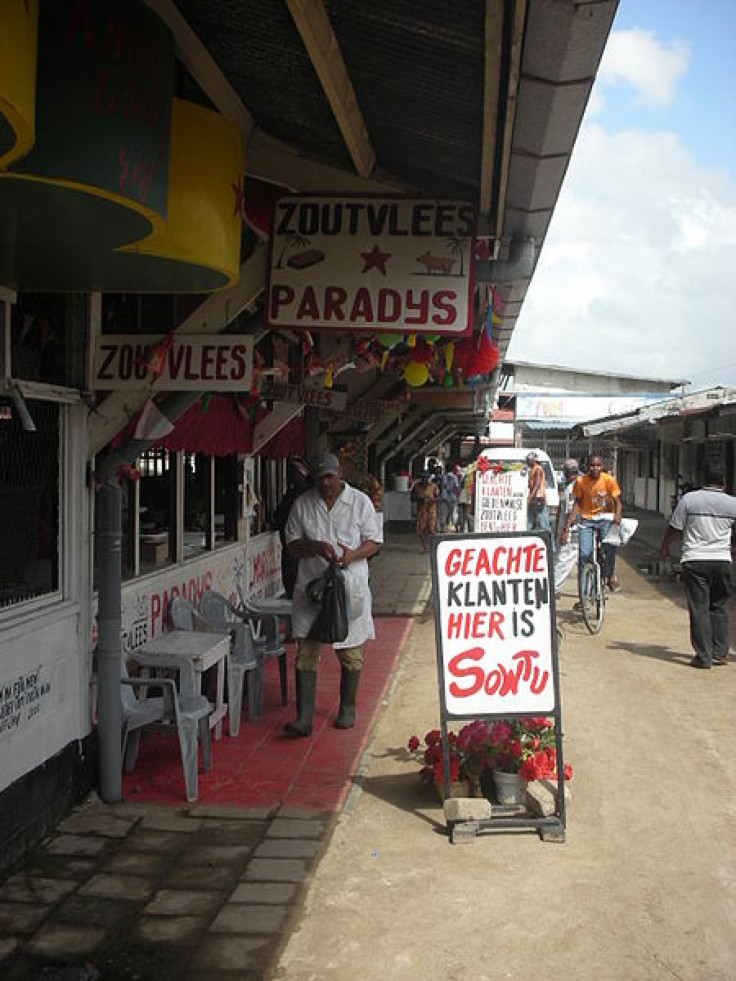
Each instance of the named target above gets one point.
<point>537,515</point>
<point>449,489</point>
<point>464,520</point>
<point>330,522</point>
<point>705,519</point>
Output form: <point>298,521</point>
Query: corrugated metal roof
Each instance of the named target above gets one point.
<point>548,424</point>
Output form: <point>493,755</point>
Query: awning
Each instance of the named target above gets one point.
<point>218,426</point>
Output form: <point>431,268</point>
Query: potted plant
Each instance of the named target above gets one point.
<point>429,754</point>
<point>523,750</point>
<point>514,751</point>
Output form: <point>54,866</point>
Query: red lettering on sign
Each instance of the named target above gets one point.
<point>335,297</point>
<point>280,296</point>
<point>500,680</point>
<point>308,305</point>
<point>444,301</point>
<point>240,357</point>
<point>207,358</point>
<point>417,308</point>
<point>220,372</point>
<point>458,670</point>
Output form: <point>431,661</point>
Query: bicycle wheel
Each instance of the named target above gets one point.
<point>591,597</point>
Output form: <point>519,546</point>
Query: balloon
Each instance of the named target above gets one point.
<point>389,340</point>
<point>411,340</point>
<point>416,374</point>
<point>431,338</point>
<point>447,381</point>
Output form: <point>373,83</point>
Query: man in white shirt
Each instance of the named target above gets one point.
<point>567,554</point>
<point>705,519</point>
<point>331,521</point>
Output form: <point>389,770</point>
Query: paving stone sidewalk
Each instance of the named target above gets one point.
<point>132,891</point>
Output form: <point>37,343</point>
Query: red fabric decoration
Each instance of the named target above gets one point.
<point>288,440</point>
<point>473,357</point>
<point>422,352</point>
<point>223,429</point>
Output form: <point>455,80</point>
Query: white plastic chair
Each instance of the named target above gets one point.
<point>265,627</point>
<point>221,616</point>
<point>189,714</point>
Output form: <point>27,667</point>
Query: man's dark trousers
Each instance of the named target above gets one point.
<point>708,588</point>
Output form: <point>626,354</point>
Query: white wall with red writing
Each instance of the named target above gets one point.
<point>256,567</point>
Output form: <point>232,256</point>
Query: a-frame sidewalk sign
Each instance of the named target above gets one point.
<point>496,641</point>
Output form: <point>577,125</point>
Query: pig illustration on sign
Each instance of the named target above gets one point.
<point>436,263</point>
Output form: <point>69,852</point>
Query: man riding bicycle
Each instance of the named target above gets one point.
<point>598,506</point>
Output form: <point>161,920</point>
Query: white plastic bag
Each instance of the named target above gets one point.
<point>620,534</point>
<point>354,593</point>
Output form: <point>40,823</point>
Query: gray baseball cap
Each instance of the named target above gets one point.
<point>323,464</point>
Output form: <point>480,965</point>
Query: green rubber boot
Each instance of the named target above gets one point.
<point>306,686</point>
<point>349,681</point>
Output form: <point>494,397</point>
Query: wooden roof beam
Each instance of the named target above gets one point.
<point>517,38</point>
<point>491,85</point>
<point>265,157</point>
<point>313,24</point>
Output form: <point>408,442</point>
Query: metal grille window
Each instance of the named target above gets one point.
<point>29,503</point>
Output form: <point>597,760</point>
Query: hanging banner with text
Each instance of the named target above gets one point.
<point>369,263</point>
<point>494,625</point>
<point>187,362</point>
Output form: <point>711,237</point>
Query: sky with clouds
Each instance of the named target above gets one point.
<point>638,270</point>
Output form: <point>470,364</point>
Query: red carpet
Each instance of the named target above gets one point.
<point>263,767</point>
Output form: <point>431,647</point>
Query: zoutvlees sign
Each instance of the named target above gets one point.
<point>369,263</point>
<point>207,363</point>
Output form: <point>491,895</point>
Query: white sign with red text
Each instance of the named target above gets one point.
<point>186,362</point>
<point>369,263</point>
<point>494,625</point>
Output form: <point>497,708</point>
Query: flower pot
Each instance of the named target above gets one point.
<point>458,788</point>
<point>510,787</point>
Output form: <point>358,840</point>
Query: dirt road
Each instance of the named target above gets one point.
<point>643,888</point>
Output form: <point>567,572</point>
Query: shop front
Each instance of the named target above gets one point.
<point>157,345</point>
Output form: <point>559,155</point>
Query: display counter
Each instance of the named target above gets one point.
<point>397,506</point>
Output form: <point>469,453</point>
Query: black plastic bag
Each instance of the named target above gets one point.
<point>331,625</point>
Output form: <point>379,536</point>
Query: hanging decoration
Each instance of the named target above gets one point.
<point>416,374</point>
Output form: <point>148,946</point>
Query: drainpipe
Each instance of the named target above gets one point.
<point>110,716</point>
<point>519,265</point>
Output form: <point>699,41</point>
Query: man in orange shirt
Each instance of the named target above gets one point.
<point>598,505</point>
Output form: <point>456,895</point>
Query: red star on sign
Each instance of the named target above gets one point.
<point>375,259</point>
<point>239,202</point>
